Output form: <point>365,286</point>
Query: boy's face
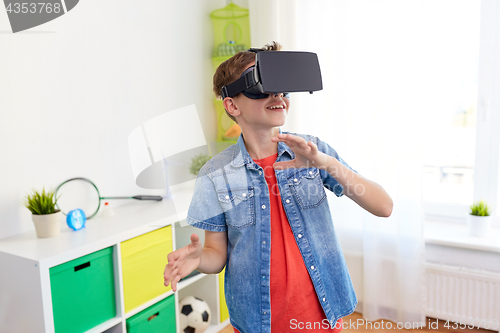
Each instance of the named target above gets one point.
<point>261,113</point>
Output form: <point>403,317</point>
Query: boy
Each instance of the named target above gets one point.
<point>262,205</point>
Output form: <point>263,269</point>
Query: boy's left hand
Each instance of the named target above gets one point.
<point>307,154</point>
<point>373,197</point>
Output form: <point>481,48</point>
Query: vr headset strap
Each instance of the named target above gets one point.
<point>239,85</point>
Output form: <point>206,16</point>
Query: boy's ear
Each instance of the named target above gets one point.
<point>231,107</point>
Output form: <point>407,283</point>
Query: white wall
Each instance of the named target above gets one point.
<point>72,89</point>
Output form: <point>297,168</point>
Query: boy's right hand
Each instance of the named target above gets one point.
<point>182,262</point>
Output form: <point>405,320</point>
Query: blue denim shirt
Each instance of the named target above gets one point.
<point>231,194</point>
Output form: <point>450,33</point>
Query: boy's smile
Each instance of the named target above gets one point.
<point>277,106</point>
<point>267,112</point>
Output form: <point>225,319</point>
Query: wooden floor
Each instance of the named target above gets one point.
<point>433,326</point>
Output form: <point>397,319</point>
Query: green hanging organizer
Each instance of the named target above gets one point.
<point>231,32</point>
<point>231,35</point>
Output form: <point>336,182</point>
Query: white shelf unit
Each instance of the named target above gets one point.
<point>25,260</point>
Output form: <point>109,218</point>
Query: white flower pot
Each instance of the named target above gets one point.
<point>47,225</point>
<point>478,226</point>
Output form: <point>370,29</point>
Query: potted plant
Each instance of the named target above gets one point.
<point>479,219</point>
<point>45,216</point>
<point>197,163</point>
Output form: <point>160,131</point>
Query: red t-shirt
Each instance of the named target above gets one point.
<point>294,303</point>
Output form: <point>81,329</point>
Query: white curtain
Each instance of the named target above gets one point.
<point>372,111</point>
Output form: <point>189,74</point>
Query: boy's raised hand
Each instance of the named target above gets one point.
<point>307,154</point>
<point>182,262</point>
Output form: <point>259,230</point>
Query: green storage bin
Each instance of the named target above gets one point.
<point>83,292</point>
<point>158,318</point>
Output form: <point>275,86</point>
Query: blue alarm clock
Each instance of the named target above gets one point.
<point>76,219</point>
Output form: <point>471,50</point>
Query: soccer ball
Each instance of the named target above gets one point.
<point>195,315</point>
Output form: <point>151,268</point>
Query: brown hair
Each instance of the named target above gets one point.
<point>231,69</point>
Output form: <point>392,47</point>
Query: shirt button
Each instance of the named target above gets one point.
<point>265,312</point>
<point>264,242</point>
<point>312,267</point>
<point>263,277</point>
<point>310,172</point>
<point>287,201</point>
<point>295,180</point>
<point>300,235</point>
<point>263,206</point>
<point>260,172</point>
<point>227,196</point>
<point>324,299</point>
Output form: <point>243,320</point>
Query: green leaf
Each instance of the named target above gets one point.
<point>480,208</point>
<point>40,203</point>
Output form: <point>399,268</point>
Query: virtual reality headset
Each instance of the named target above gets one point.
<point>277,72</point>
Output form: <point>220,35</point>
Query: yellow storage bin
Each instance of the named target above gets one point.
<point>224,313</point>
<point>143,262</point>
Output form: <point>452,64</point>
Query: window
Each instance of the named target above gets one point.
<point>389,65</point>
<point>451,35</point>
<point>472,117</point>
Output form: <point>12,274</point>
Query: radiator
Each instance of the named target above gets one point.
<point>463,295</point>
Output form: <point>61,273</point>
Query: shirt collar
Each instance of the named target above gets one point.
<point>241,155</point>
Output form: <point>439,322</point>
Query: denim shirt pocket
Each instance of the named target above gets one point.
<point>238,206</point>
<point>307,187</point>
